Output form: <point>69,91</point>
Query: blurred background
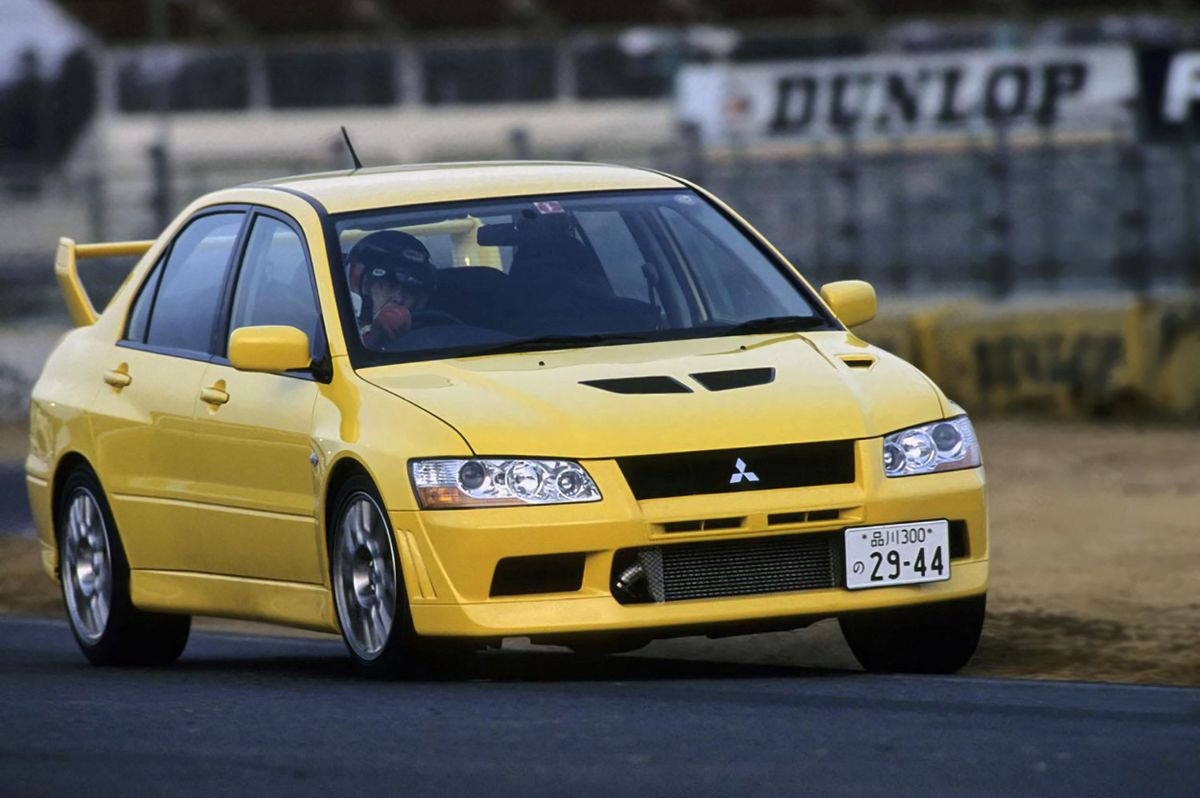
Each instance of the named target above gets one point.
<point>1019,179</point>
<point>1000,146</point>
<point>980,150</point>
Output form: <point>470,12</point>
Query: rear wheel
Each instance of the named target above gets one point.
<point>368,586</point>
<point>927,638</point>
<point>95,584</point>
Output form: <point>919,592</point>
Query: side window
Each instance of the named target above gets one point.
<point>139,317</point>
<point>189,295</point>
<point>275,282</point>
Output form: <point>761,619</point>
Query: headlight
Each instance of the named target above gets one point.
<point>508,482</point>
<point>940,446</point>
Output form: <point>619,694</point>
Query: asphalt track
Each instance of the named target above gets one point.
<point>241,715</point>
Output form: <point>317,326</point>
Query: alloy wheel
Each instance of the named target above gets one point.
<point>87,570</point>
<point>364,573</point>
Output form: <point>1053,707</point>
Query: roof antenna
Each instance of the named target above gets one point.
<point>349,146</point>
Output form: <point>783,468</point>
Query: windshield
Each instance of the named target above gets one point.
<point>556,272</point>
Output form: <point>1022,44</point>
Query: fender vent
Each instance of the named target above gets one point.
<point>729,380</point>
<point>635,385</point>
<point>857,361</point>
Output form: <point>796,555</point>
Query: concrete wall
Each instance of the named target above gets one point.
<point>1055,354</point>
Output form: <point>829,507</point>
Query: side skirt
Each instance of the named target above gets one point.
<point>287,603</point>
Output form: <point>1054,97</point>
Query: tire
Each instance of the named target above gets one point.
<point>94,576</point>
<point>368,584</point>
<point>928,638</point>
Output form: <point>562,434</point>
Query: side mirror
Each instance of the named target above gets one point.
<point>269,348</point>
<point>852,301</point>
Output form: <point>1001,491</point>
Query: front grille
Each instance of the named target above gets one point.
<point>703,525</point>
<point>812,516</point>
<point>728,568</point>
<point>658,476</point>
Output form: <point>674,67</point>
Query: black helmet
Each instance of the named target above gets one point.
<point>399,256</point>
<point>396,254</point>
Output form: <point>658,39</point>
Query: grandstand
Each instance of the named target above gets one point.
<point>429,79</point>
<point>191,95</point>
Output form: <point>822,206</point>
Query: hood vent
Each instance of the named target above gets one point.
<point>728,380</point>
<point>635,385</point>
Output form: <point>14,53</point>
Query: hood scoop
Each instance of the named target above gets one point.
<point>729,380</point>
<point>636,385</point>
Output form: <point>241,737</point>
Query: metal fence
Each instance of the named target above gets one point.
<point>986,215</point>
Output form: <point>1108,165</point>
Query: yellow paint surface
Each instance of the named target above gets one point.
<point>222,507</point>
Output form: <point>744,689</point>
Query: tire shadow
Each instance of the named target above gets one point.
<point>528,665</point>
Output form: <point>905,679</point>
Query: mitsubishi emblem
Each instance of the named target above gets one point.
<point>742,473</point>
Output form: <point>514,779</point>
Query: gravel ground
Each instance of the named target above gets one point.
<point>1095,562</point>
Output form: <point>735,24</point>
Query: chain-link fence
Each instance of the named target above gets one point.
<point>987,215</point>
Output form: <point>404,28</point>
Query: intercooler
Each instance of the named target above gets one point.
<point>684,571</point>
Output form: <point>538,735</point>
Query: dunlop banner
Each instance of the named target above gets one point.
<point>1078,88</point>
<point>1170,86</point>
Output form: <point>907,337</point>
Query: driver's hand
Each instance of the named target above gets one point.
<point>393,319</point>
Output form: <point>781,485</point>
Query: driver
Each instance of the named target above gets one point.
<point>395,278</point>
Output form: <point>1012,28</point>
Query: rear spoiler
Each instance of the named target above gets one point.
<point>79,305</point>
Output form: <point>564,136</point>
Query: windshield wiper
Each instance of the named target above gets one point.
<point>543,342</point>
<point>769,324</point>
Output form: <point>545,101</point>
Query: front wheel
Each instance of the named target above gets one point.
<point>95,585</point>
<point>927,638</point>
<point>368,586</point>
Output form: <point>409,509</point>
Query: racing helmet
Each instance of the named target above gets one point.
<point>389,255</point>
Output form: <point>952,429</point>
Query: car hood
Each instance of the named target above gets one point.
<point>825,386</point>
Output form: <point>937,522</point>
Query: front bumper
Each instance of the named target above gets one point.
<point>449,557</point>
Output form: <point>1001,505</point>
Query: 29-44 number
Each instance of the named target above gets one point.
<point>893,559</point>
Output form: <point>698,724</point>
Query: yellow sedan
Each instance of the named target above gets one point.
<point>449,404</point>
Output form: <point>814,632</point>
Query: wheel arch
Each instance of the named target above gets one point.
<point>67,464</point>
<point>341,472</point>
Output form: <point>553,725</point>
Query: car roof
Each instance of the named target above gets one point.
<point>419,184</point>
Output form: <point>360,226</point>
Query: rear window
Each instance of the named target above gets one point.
<point>139,316</point>
<point>189,295</point>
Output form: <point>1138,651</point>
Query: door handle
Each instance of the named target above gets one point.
<point>119,377</point>
<point>215,394</point>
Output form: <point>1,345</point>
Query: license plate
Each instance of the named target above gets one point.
<point>897,554</point>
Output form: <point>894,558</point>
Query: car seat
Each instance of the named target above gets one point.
<point>562,286</point>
